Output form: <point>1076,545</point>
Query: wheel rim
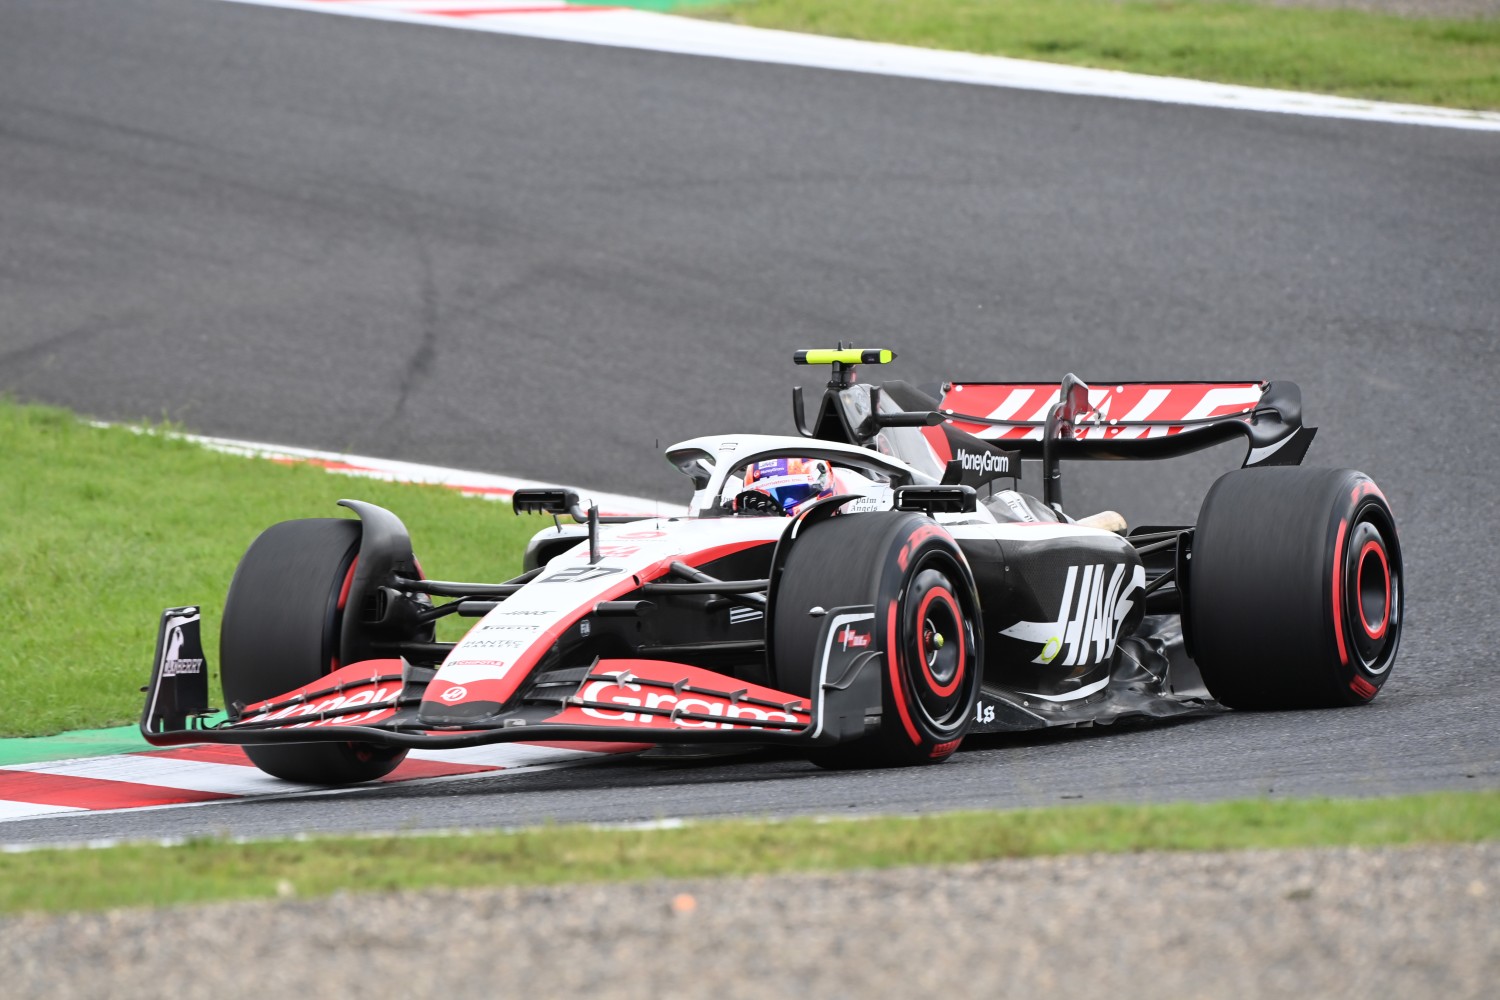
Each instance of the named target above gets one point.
<point>1371,602</point>
<point>363,752</point>
<point>936,645</point>
<point>1374,582</point>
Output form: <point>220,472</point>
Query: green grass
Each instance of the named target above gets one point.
<point>1452,63</point>
<point>200,871</point>
<point>102,528</point>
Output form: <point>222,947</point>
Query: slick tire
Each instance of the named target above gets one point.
<point>926,630</point>
<point>1295,589</point>
<point>280,631</point>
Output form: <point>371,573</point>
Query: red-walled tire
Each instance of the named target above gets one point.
<point>927,628</point>
<point>1295,589</point>
<point>280,631</point>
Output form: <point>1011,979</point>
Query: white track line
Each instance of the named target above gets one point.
<point>115,780</point>
<point>635,29</point>
<point>481,484</point>
<point>165,772</point>
<point>509,756</point>
<point>30,810</point>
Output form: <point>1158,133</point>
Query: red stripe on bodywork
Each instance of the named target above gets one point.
<point>502,688</point>
<point>627,690</point>
<point>938,442</point>
<point>705,556</point>
<point>354,678</point>
<point>42,788</point>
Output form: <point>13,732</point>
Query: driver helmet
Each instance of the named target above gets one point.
<point>791,482</point>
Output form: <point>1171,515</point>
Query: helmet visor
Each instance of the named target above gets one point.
<point>791,482</point>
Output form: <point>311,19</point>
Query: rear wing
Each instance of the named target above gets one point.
<point>1052,421</point>
<point>1072,419</point>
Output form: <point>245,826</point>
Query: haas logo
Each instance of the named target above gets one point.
<point>1089,618</point>
<point>848,637</point>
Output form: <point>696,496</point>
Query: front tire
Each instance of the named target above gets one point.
<point>282,620</point>
<point>926,630</point>
<point>1295,589</point>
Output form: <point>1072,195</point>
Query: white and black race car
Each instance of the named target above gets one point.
<point>871,591</point>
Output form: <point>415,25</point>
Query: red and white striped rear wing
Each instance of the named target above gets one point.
<point>1073,419</point>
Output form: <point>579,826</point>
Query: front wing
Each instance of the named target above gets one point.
<point>615,700</point>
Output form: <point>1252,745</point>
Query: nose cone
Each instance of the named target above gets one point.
<point>447,705</point>
<point>464,714</point>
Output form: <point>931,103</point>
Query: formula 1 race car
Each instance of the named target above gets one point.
<point>864,592</point>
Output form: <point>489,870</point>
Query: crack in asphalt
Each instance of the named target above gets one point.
<point>419,363</point>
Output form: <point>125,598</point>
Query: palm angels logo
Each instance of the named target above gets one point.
<point>1089,617</point>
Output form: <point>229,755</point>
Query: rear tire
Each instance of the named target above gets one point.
<point>1295,589</point>
<point>282,620</point>
<point>926,628</point>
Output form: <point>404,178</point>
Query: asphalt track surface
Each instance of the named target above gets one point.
<point>542,258</point>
